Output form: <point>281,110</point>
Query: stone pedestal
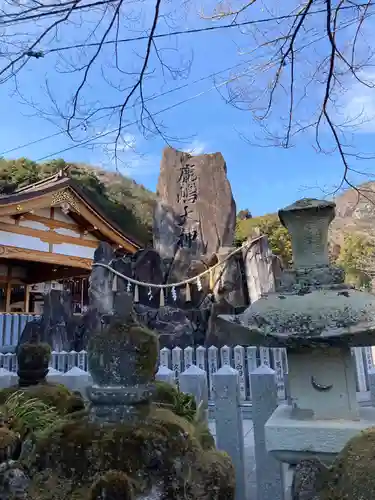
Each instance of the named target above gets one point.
<point>322,383</point>
<point>113,404</point>
<point>291,440</point>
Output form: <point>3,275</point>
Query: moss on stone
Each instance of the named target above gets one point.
<point>162,449</point>
<point>352,475</point>
<point>56,395</point>
<point>33,359</point>
<point>112,485</point>
<point>134,344</point>
<point>9,442</point>
<point>167,395</point>
<point>34,352</point>
<point>220,472</point>
<point>164,393</point>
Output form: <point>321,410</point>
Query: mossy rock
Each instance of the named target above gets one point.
<point>33,359</point>
<point>161,450</point>
<point>134,344</point>
<point>56,395</point>
<point>9,444</point>
<point>164,393</point>
<point>168,396</point>
<point>180,403</point>
<point>352,475</point>
<point>112,485</point>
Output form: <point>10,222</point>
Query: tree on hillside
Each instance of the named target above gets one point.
<point>244,214</point>
<point>269,225</point>
<point>125,203</point>
<point>357,257</point>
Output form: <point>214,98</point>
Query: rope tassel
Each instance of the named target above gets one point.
<point>136,294</point>
<point>114,283</point>
<point>164,289</point>
<point>211,283</point>
<point>162,298</point>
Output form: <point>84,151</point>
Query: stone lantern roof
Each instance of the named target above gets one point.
<point>312,306</point>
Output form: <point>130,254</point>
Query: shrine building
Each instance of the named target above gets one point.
<point>48,234</point>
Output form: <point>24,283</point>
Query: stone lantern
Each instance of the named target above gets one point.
<point>317,318</point>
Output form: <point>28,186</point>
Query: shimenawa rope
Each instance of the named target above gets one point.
<point>186,282</point>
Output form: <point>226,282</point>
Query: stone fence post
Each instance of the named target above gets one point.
<point>164,374</point>
<point>77,380</point>
<point>264,402</point>
<point>55,376</point>
<point>7,378</point>
<point>194,381</point>
<point>371,380</point>
<point>228,417</point>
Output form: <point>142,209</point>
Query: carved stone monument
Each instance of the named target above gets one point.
<point>202,211</point>
<point>317,318</point>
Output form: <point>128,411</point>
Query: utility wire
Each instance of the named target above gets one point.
<point>109,132</point>
<point>200,30</point>
<point>193,30</point>
<point>147,99</point>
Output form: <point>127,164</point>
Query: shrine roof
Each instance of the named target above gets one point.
<point>23,199</point>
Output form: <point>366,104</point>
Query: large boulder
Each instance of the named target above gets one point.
<point>202,211</point>
<point>171,324</point>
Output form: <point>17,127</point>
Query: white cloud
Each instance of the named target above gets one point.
<point>196,148</point>
<point>358,112</point>
<point>127,157</point>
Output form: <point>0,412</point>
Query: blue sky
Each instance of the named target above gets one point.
<point>263,178</point>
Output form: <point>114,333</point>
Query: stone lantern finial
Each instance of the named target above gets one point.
<point>307,221</point>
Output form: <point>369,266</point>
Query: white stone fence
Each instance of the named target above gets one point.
<point>244,359</point>
<point>11,327</point>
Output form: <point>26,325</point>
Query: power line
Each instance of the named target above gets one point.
<point>162,94</point>
<point>116,130</point>
<point>201,30</point>
<point>56,134</point>
<point>189,31</point>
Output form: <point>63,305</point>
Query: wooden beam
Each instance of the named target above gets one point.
<point>52,216</point>
<point>9,252</point>
<point>38,275</point>
<point>8,289</point>
<point>27,298</point>
<point>52,223</point>
<point>47,236</point>
<point>86,211</point>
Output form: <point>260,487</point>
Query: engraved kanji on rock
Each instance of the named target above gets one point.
<point>198,193</point>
